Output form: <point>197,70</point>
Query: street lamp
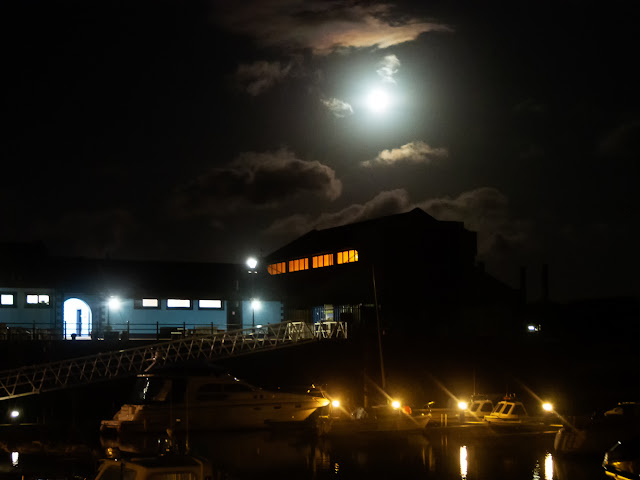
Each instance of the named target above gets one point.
<point>255,305</point>
<point>114,304</point>
<point>252,263</point>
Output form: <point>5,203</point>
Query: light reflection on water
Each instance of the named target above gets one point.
<point>436,455</point>
<point>463,462</point>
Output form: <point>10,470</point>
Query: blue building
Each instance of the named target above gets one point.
<point>78,298</point>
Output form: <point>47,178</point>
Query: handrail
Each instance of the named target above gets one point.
<point>30,380</point>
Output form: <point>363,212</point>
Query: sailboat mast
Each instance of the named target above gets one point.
<point>375,298</point>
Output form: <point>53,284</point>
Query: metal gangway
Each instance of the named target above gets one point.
<point>33,379</point>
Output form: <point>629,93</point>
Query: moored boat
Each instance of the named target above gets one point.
<point>213,401</point>
<point>596,435</point>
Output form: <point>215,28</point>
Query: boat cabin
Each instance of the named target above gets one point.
<point>507,411</point>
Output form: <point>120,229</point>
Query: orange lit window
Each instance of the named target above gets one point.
<point>323,260</point>
<point>347,256</point>
<point>276,268</point>
<point>299,264</point>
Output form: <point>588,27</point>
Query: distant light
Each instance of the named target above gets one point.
<point>15,413</point>
<point>547,407</point>
<point>532,328</point>
<point>256,305</point>
<point>395,404</point>
<point>114,303</point>
<point>14,458</point>
<point>258,326</point>
<point>252,262</point>
<point>335,403</point>
<point>463,405</point>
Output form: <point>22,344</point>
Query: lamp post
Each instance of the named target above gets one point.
<point>112,304</point>
<point>255,305</point>
<point>252,263</point>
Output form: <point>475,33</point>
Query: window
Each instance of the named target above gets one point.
<point>300,264</point>
<point>151,303</point>
<point>178,303</point>
<point>348,256</point>
<point>204,304</point>
<point>7,300</point>
<point>323,260</point>
<point>277,268</point>
<point>37,300</point>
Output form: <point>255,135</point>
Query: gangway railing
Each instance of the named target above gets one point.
<point>30,380</point>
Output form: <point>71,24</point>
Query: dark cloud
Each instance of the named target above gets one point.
<point>322,26</point>
<point>485,211</point>
<point>385,203</point>
<point>623,141</point>
<point>264,180</point>
<point>257,77</point>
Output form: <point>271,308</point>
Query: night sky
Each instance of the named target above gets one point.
<point>208,131</point>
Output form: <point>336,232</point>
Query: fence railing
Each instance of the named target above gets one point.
<point>111,331</point>
<point>103,366</point>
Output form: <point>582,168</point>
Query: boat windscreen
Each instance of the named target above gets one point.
<point>151,390</point>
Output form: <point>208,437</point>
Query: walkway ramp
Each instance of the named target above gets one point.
<point>103,366</point>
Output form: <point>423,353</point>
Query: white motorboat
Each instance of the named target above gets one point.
<point>508,412</point>
<point>213,401</point>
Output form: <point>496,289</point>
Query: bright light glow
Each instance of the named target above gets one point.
<point>14,458</point>
<point>210,303</point>
<point>463,405</point>
<point>335,403</point>
<point>15,413</point>
<point>256,305</point>
<point>114,303</point>
<point>531,328</point>
<point>34,299</point>
<point>547,407</point>
<point>150,302</point>
<point>71,308</point>
<point>548,467</point>
<point>252,262</point>
<point>464,464</point>
<point>395,404</point>
<point>178,303</point>
<point>378,100</point>
<point>6,299</point>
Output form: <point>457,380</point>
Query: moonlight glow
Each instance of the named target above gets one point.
<point>378,101</point>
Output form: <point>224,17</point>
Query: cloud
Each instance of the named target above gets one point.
<point>484,210</point>
<point>412,152</point>
<point>264,180</point>
<point>385,203</point>
<point>322,26</point>
<point>258,77</point>
<point>388,67</point>
<point>338,107</point>
<point>622,142</point>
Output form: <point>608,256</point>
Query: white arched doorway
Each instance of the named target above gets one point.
<point>77,319</point>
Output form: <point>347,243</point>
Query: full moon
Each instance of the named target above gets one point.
<point>378,100</point>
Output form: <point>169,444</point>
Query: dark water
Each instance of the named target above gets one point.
<point>434,454</point>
